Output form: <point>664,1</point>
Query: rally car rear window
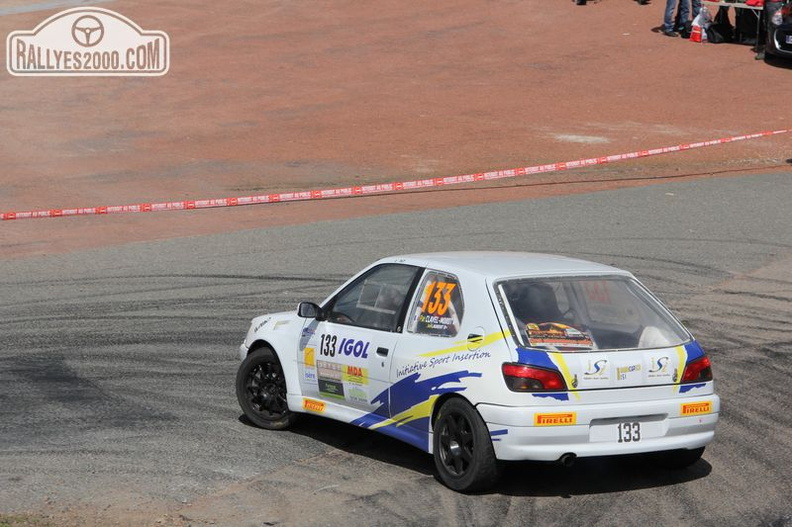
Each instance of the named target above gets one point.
<point>587,313</point>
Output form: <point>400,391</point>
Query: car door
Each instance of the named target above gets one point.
<point>348,352</point>
<point>451,334</point>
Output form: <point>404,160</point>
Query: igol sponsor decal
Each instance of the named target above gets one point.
<point>350,347</point>
<point>559,419</point>
<point>697,408</point>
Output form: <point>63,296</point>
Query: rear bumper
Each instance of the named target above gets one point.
<point>590,430</point>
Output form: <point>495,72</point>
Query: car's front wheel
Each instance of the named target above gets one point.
<point>261,390</point>
<point>463,452</point>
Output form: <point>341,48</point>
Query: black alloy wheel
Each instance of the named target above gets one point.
<point>261,390</point>
<point>463,452</point>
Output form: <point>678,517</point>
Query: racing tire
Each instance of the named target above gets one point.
<point>678,459</point>
<point>463,452</point>
<point>261,390</point>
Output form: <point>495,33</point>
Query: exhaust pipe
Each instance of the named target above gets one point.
<point>568,459</point>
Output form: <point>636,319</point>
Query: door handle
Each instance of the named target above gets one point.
<point>383,352</point>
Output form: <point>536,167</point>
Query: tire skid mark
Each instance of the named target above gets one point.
<point>129,289</point>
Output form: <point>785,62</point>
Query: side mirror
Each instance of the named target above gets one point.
<point>308,310</point>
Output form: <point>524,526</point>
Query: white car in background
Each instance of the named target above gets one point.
<point>481,357</point>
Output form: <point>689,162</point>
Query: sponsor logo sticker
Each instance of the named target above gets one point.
<point>659,365</point>
<point>697,408</point>
<point>87,41</point>
<point>622,372</point>
<point>355,374</point>
<point>597,368</point>
<point>559,419</point>
<point>308,354</point>
<point>312,405</point>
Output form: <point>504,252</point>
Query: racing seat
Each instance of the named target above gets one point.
<point>653,337</point>
<point>536,302</point>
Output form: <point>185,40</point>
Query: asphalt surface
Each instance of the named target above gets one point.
<point>117,368</point>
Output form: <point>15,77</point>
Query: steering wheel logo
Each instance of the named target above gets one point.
<point>87,31</point>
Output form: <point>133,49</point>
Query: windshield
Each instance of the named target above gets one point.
<point>587,313</point>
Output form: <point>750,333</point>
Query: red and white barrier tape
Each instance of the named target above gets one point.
<point>366,190</point>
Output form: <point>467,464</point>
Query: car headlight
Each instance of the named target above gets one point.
<point>778,17</point>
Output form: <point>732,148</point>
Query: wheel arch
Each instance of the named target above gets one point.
<point>261,343</point>
<point>290,367</point>
<point>441,400</point>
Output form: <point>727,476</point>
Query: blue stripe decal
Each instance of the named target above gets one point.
<point>694,351</point>
<point>415,432</point>
<point>559,396</point>
<point>684,388</point>
<point>404,401</point>
<point>535,357</point>
<point>495,433</point>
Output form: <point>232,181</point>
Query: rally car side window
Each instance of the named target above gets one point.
<point>438,307</point>
<point>375,300</point>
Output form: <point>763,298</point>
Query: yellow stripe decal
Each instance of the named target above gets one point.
<point>462,345</point>
<point>682,354</point>
<point>562,365</point>
<point>422,409</point>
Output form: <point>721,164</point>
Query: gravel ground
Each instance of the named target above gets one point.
<point>117,369</point>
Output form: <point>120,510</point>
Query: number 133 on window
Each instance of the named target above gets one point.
<point>437,297</point>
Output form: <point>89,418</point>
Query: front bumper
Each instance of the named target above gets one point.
<point>777,41</point>
<point>243,351</point>
<point>590,429</point>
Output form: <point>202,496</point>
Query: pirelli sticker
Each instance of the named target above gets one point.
<point>311,405</point>
<point>696,408</point>
<point>559,419</point>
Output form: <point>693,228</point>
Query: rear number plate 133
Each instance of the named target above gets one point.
<point>624,431</point>
<point>628,432</point>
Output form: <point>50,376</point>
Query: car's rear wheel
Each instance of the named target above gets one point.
<point>678,459</point>
<point>261,390</point>
<point>463,452</point>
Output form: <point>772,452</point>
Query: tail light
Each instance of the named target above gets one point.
<point>698,371</point>
<point>522,378</point>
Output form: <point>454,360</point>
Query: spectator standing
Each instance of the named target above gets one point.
<point>681,22</point>
<point>670,23</point>
<point>696,7</point>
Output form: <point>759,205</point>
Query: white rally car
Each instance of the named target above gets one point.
<point>477,357</point>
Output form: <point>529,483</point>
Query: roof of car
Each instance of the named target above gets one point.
<point>502,264</point>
